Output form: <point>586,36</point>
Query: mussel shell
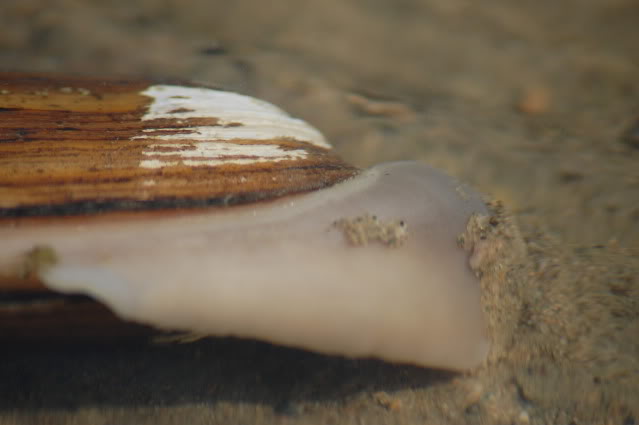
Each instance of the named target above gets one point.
<point>85,145</point>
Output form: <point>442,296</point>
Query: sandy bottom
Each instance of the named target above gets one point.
<point>533,103</point>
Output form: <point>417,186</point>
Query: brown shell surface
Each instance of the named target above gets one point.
<point>76,145</point>
<point>73,149</point>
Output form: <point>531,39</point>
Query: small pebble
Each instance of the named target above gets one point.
<point>386,401</point>
<point>534,101</point>
<point>381,108</point>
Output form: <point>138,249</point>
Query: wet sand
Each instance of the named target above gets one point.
<point>533,103</point>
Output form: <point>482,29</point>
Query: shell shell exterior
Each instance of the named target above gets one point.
<point>81,145</point>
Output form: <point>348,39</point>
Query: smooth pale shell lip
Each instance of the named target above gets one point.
<point>282,271</point>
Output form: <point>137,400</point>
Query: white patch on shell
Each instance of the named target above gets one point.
<point>217,153</point>
<point>239,117</point>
